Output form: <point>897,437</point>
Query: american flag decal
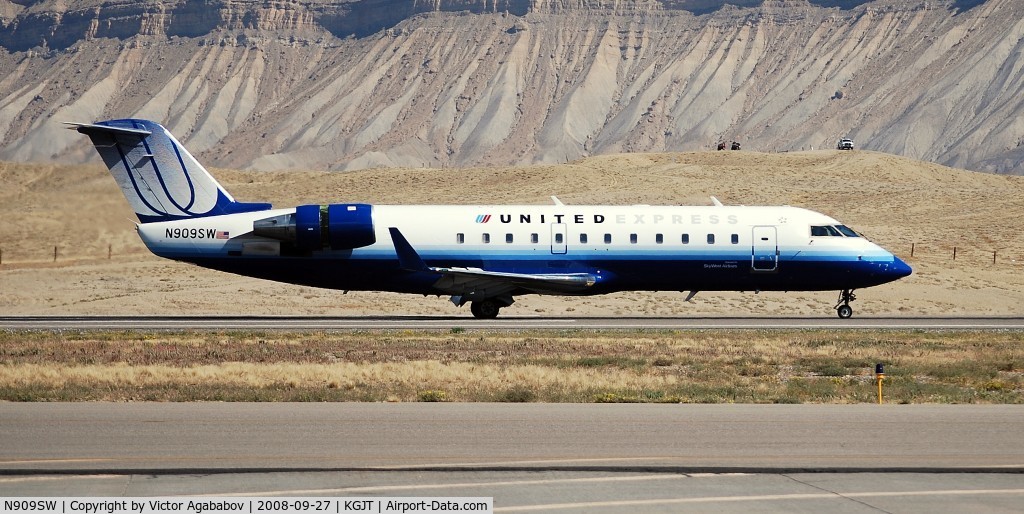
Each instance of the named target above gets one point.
<point>222,234</point>
<point>483,218</point>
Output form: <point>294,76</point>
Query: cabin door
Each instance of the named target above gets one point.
<point>765,252</point>
<point>559,245</point>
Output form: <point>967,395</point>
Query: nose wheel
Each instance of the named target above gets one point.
<point>843,308</point>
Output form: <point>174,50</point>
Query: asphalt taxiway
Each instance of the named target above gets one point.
<point>501,323</point>
<point>207,437</point>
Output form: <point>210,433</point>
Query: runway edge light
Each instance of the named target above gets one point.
<point>879,376</point>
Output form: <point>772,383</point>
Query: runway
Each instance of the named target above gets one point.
<point>529,457</point>
<point>502,323</point>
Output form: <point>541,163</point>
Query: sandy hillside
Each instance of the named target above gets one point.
<point>894,201</point>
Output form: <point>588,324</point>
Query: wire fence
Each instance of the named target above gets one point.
<point>58,254</point>
<point>964,255</point>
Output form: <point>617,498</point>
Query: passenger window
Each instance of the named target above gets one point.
<point>534,238</point>
<point>659,239</point>
<point>686,239</point>
<point>460,238</point>
<point>632,239</point>
<point>607,239</point>
<point>711,239</point>
<point>508,238</point>
<point>583,239</point>
<point>735,239</point>
<point>486,238</point>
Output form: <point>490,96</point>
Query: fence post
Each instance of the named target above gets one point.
<point>993,256</point>
<point>54,254</point>
<point>912,249</point>
<point>954,253</point>
<point>110,248</point>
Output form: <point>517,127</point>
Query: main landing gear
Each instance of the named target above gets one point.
<point>843,308</point>
<point>485,309</point>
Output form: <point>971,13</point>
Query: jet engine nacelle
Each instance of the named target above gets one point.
<point>320,227</point>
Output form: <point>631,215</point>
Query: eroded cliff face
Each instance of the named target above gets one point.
<point>344,85</point>
<point>58,24</point>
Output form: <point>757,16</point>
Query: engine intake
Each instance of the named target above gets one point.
<point>319,227</point>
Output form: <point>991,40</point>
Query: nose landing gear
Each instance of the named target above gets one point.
<point>843,308</point>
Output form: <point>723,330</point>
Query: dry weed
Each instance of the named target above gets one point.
<point>654,366</point>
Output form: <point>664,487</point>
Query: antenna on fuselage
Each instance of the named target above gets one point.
<point>716,202</point>
<point>556,200</point>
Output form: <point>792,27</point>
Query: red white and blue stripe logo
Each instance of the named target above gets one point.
<point>483,218</point>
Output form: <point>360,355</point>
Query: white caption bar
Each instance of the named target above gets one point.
<point>186,505</point>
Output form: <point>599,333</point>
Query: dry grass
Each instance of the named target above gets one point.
<point>555,366</point>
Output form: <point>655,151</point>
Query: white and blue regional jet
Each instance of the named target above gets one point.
<point>484,255</point>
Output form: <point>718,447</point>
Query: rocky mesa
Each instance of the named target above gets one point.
<point>350,84</point>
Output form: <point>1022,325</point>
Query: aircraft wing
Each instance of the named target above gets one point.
<point>464,280</point>
<point>458,280</point>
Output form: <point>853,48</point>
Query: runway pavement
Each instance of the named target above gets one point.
<point>503,323</point>
<point>529,457</point>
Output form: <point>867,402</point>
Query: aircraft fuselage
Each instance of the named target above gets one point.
<point>625,247</point>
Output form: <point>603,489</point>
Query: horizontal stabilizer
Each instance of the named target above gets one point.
<point>92,128</point>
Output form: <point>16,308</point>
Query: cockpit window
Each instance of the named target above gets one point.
<point>847,231</point>
<point>825,231</point>
<point>830,231</point>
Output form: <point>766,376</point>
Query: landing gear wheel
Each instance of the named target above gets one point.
<point>843,308</point>
<point>485,309</point>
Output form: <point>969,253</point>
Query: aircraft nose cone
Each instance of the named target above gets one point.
<point>899,269</point>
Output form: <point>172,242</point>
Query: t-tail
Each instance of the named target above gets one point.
<point>158,176</point>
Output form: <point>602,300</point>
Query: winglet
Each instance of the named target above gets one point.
<point>716,202</point>
<point>408,259</point>
<point>556,200</point>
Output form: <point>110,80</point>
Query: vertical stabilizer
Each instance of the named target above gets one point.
<point>160,179</point>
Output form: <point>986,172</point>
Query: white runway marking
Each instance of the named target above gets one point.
<point>51,478</point>
<point>757,498</point>
<point>510,483</point>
